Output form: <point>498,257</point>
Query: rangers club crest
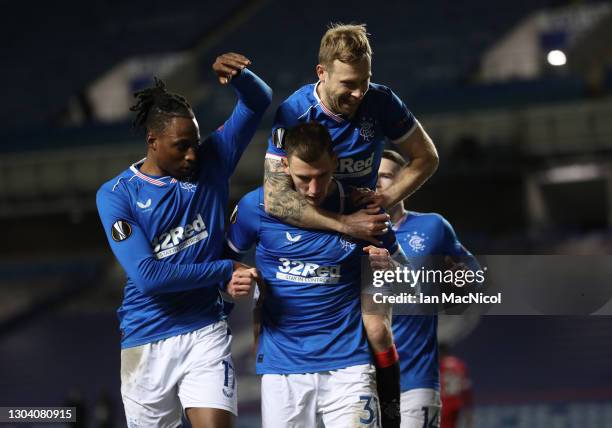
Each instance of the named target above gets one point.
<point>367,128</point>
<point>417,241</point>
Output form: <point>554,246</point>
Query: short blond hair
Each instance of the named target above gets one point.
<point>346,43</point>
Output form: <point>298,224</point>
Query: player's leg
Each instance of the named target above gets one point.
<point>289,401</point>
<point>209,418</point>
<point>377,320</point>
<point>208,388</point>
<point>347,397</point>
<point>149,374</point>
<point>378,330</point>
<point>377,323</point>
<point>420,408</point>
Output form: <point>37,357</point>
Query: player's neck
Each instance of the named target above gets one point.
<point>397,212</point>
<point>322,97</point>
<point>325,101</point>
<point>149,167</point>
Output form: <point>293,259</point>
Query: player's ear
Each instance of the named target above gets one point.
<point>285,165</point>
<point>151,141</point>
<point>321,72</point>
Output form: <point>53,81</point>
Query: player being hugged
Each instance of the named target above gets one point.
<point>313,351</point>
<point>360,116</point>
<point>164,219</point>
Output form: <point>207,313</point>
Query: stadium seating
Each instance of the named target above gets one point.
<point>59,48</point>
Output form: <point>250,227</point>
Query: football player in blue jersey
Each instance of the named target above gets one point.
<point>361,116</point>
<point>164,219</point>
<point>313,351</point>
<point>428,241</point>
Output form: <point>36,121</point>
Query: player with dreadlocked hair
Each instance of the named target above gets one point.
<point>164,218</point>
<point>165,105</point>
<point>156,109</point>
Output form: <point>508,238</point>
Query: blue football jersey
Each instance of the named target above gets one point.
<point>168,234</point>
<point>422,235</point>
<point>310,308</point>
<point>359,141</point>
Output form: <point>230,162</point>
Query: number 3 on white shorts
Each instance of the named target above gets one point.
<point>371,408</point>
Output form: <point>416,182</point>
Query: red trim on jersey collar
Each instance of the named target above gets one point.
<point>155,181</point>
<point>327,111</point>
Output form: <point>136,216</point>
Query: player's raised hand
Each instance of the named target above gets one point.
<point>366,224</point>
<point>379,258</point>
<point>241,283</point>
<point>228,65</point>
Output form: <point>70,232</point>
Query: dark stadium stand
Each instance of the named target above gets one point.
<point>58,49</point>
<point>435,44</point>
<point>30,288</point>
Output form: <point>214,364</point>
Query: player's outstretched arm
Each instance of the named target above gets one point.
<point>252,91</point>
<point>254,97</point>
<point>420,150</point>
<point>282,201</point>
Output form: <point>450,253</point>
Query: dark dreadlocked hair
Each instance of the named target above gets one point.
<point>155,106</point>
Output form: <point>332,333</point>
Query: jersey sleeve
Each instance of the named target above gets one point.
<point>133,251</point>
<point>232,138</point>
<point>244,226</point>
<point>284,119</point>
<point>398,122</point>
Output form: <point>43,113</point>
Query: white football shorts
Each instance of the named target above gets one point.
<point>333,399</point>
<point>160,379</point>
<point>420,407</point>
